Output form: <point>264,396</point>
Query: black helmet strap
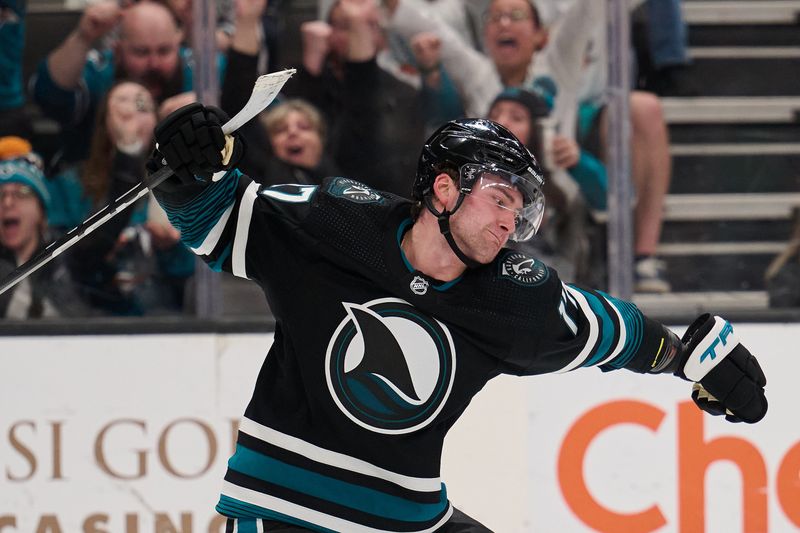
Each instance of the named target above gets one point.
<point>444,227</point>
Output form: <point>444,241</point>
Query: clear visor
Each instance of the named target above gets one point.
<point>520,196</point>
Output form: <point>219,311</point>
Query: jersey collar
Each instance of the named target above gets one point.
<point>437,285</point>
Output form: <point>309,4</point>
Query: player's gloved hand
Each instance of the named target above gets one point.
<point>728,379</point>
<point>193,145</point>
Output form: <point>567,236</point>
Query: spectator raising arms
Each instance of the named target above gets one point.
<point>375,119</point>
<point>70,83</point>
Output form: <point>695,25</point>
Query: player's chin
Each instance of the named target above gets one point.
<point>486,254</point>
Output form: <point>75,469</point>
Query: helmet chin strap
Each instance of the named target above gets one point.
<point>444,227</point>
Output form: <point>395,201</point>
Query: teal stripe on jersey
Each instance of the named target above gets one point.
<point>233,508</point>
<point>371,501</point>
<point>220,192</point>
<point>634,324</point>
<point>206,210</point>
<point>196,219</point>
<point>607,329</point>
<point>216,265</point>
<point>246,525</point>
<point>445,286</point>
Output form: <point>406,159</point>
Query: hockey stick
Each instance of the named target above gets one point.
<point>264,91</point>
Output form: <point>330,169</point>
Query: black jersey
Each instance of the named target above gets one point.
<point>372,361</point>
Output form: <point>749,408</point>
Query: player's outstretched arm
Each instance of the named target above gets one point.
<point>592,328</point>
<point>728,379</point>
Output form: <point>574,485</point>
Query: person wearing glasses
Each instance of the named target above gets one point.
<point>24,202</point>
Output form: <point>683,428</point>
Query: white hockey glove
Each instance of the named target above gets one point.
<point>728,379</point>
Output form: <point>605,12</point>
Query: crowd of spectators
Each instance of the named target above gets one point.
<point>376,77</point>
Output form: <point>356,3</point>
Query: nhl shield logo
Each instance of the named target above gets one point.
<point>389,367</point>
<point>419,285</point>
<point>522,269</point>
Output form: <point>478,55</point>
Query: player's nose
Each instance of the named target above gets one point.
<point>505,221</point>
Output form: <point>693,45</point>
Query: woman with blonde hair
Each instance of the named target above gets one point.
<point>297,133</point>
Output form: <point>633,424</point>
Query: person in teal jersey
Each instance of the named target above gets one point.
<point>12,41</point>
<point>70,83</point>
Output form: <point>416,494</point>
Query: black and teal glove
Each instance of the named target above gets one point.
<point>728,379</point>
<point>191,142</point>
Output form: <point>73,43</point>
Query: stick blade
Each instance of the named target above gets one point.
<point>264,92</point>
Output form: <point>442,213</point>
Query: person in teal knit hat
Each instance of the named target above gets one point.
<point>24,203</point>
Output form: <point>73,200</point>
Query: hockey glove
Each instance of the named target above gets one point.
<point>192,143</point>
<point>728,379</point>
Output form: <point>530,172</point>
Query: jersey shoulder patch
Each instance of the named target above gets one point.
<point>354,191</point>
<point>521,269</point>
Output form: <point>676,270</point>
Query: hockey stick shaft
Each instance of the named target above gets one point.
<point>264,91</point>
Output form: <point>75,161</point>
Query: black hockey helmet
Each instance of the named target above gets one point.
<point>475,146</point>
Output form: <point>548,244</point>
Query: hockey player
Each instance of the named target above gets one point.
<point>391,314</point>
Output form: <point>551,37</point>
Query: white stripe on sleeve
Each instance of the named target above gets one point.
<point>564,312</point>
<point>594,330</point>
<point>243,230</point>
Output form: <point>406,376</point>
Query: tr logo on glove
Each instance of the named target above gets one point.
<point>728,378</point>
<point>711,349</point>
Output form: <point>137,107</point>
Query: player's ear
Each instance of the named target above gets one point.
<point>444,190</point>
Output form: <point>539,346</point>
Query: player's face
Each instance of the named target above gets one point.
<point>486,219</point>
<point>296,141</point>
<point>21,217</point>
<point>513,116</point>
<point>510,33</point>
